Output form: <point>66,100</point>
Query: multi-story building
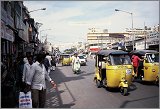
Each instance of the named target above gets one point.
<point>152,38</point>
<point>103,40</point>
<point>147,38</point>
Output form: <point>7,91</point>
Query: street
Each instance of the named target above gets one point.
<point>80,91</point>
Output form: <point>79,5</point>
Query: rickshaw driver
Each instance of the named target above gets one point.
<point>135,61</point>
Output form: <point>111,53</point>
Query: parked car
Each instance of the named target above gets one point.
<point>82,60</point>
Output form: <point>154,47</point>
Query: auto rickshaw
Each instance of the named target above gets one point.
<point>65,59</point>
<point>150,66</point>
<point>113,70</point>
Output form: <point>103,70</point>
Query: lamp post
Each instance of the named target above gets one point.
<point>132,23</point>
<point>37,10</point>
<point>41,32</point>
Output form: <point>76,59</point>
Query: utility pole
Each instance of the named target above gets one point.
<point>144,36</point>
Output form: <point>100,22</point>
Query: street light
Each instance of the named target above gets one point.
<point>42,31</point>
<point>132,23</point>
<point>37,10</point>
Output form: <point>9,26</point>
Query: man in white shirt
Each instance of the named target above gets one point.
<point>26,70</point>
<point>37,82</point>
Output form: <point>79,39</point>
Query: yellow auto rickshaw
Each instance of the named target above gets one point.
<point>149,70</point>
<point>65,59</point>
<point>113,70</point>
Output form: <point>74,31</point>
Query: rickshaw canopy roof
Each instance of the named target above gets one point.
<point>142,52</point>
<point>111,52</point>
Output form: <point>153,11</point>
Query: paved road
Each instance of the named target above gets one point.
<point>79,91</point>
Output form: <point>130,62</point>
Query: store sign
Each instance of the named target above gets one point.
<point>3,15</point>
<point>140,45</point>
<point>25,31</point>
<point>9,21</point>
<point>129,43</point>
<point>9,34</point>
<point>3,29</point>
<point>153,42</point>
<point>6,33</point>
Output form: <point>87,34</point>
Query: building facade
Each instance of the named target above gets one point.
<point>15,37</point>
<point>105,40</point>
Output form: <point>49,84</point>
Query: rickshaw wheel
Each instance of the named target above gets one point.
<point>124,91</point>
<point>98,83</point>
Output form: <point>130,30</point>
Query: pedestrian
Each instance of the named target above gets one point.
<point>135,62</point>
<point>37,83</point>
<point>26,71</point>
<point>47,62</point>
<point>53,62</point>
<point>25,58</point>
<point>74,61</point>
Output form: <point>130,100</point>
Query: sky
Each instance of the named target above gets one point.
<point>69,21</point>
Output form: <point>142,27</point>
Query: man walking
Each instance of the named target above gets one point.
<point>135,61</point>
<point>37,83</point>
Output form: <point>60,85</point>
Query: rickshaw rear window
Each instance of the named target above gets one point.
<point>152,58</point>
<point>66,56</point>
<point>120,60</point>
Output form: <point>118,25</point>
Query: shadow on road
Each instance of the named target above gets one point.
<point>53,97</point>
<point>132,87</point>
<point>147,83</point>
<point>129,101</point>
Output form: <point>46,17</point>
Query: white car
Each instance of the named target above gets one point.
<point>82,60</point>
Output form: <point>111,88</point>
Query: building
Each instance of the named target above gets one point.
<point>105,40</point>
<point>17,33</point>
<point>152,39</point>
<point>147,38</point>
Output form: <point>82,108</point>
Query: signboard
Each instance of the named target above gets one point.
<point>153,42</point>
<point>24,32</point>
<point>6,33</point>
<point>9,34</point>
<point>130,43</point>
<point>94,49</point>
<point>3,29</point>
<point>3,15</point>
<point>116,35</point>
<point>10,21</point>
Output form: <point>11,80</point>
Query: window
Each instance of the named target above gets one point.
<point>120,60</point>
<point>152,58</point>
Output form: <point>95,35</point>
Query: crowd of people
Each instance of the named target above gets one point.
<point>29,74</point>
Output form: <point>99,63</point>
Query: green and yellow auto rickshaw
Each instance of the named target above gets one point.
<point>150,68</point>
<point>65,59</point>
<point>113,70</point>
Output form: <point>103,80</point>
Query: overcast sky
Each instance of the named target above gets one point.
<point>69,20</point>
